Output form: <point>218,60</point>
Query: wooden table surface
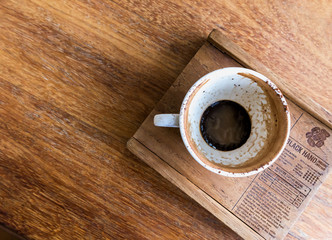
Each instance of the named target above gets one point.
<point>78,77</point>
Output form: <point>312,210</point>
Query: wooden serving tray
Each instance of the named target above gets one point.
<point>263,206</point>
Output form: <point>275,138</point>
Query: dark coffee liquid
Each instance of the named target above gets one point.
<point>225,125</point>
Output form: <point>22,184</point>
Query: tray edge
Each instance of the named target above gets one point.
<point>194,192</point>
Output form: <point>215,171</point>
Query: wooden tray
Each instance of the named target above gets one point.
<point>263,206</point>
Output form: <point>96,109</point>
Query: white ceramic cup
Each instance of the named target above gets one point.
<point>267,109</point>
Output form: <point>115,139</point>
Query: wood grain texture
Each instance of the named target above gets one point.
<point>190,189</point>
<point>78,77</point>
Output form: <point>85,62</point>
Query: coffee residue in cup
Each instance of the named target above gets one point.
<point>225,125</point>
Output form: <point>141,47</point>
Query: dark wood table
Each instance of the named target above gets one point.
<point>78,77</point>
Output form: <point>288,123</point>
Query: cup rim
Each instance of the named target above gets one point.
<point>201,82</point>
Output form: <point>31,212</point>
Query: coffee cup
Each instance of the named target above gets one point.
<point>235,122</point>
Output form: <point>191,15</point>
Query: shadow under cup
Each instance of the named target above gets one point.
<point>268,112</point>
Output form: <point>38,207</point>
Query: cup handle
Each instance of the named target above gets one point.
<point>166,120</point>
